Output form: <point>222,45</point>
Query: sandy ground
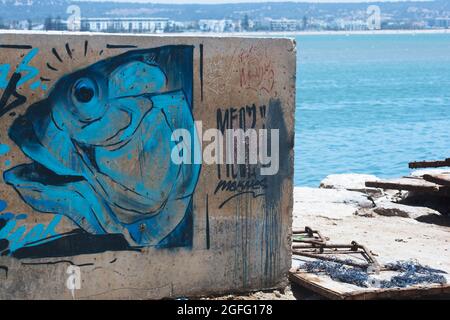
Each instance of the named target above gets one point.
<point>389,238</point>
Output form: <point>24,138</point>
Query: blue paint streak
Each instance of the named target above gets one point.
<point>35,85</point>
<point>22,237</point>
<point>4,149</point>
<point>28,72</point>
<point>15,237</point>
<point>7,216</point>
<point>4,71</point>
<point>9,227</point>
<point>3,205</point>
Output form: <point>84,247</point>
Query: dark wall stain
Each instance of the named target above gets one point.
<point>6,269</point>
<point>76,243</point>
<point>272,216</point>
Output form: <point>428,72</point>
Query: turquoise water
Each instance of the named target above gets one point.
<point>370,104</point>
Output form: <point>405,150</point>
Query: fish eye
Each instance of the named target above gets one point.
<point>84,90</point>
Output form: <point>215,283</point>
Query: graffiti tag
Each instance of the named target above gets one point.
<point>256,70</point>
<point>23,74</point>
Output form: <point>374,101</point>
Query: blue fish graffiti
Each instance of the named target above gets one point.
<point>100,147</point>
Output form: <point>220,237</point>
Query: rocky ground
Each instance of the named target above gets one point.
<point>393,225</point>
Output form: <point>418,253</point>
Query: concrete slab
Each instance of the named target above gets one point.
<point>100,196</point>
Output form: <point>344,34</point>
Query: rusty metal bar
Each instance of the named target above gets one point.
<point>332,259</point>
<point>313,236</point>
<point>323,252</point>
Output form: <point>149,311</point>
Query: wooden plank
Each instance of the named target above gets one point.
<point>407,184</point>
<point>334,290</point>
<point>429,164</point>
<point>441,179</point>
<point>313,283</point>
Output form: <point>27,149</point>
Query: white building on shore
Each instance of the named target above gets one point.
<point>135,25</point>
<point>218,26</point>
<point>283,24</point>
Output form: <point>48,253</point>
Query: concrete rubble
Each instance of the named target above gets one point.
<point>388,208</point>
<point>383,202</point>
<point>331,203</point>
<point>344,195</point>
<point>350,181</point>
<point>393,225</point>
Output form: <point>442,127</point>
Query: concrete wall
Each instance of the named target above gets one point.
<point>93,204</point>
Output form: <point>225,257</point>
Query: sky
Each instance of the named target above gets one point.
<point>237,1</point>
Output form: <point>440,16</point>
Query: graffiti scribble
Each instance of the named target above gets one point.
<point>256,70</point>
<point>11,91</point>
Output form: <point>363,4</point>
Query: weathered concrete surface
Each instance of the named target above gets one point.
<point>421,172</point>
<point>352,182</point>
<point>334,204</point>
<point>387,208</point>
<point>228,237</point>
<point>349,181</point>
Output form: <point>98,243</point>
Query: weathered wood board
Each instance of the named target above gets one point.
<point>326,287</point>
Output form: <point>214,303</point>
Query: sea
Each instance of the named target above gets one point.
<point>370,104</point>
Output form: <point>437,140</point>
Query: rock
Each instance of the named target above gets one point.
<point>388,208</point>
<point>358,199</point>
<point>436,202</point>
<point>329,203</point>
<point>395,195</point>
<point>352,182</point>
<point>365,212</point>
<point>331,211</point>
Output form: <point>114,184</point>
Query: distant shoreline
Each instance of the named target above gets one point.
<point>240,34</point>
<point>314,33</point>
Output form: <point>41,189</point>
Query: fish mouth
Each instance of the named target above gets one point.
<point>45,191</point>
<point>28,133</point>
